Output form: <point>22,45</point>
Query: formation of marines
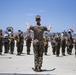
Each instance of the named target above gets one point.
<point>63,42</point>
<point>57,42</point>
<point>40,44</point>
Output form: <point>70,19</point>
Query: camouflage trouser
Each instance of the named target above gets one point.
<point>38,53</point>
<point>75,51</point>
<point>57,50</point>
<point>46,48</point>
<point>6,46</point>
<point>12,47</point>
<point>0,47</point>
<point>28,48</point>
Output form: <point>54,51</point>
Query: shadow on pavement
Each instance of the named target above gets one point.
<point>48,70</point>
<point>5,57</point>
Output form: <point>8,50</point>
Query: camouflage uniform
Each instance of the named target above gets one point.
<point>46,40</point>
<point>75,45</point>
<point>69,45</point>
<point>6,43</point>
<point>63,41</point>
<point>53,43</point>
<point>1,43</point>
<point>19,43</point>
<point>22,42</point>
<point>58,43</point>
<point>38,44</point>
<point>28,43</point>
<point>12,42</point>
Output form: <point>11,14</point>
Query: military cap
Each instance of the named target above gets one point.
<point>38,17</point>
<point>19,31</point>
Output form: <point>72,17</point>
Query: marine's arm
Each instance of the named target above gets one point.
<point>47,29</point>
<point>29,27</point>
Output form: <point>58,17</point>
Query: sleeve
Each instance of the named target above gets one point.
<point>45,28</point>
<point>31,28</point>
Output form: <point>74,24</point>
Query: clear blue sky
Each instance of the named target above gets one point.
<point>61,14</point>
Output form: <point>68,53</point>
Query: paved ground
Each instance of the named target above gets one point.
<point>52,65</point>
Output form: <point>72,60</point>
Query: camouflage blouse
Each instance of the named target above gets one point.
<point>38,31</point>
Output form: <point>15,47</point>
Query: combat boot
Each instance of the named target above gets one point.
<point>45,53</point>
<point>35,69</point>
<point>38,69</point>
